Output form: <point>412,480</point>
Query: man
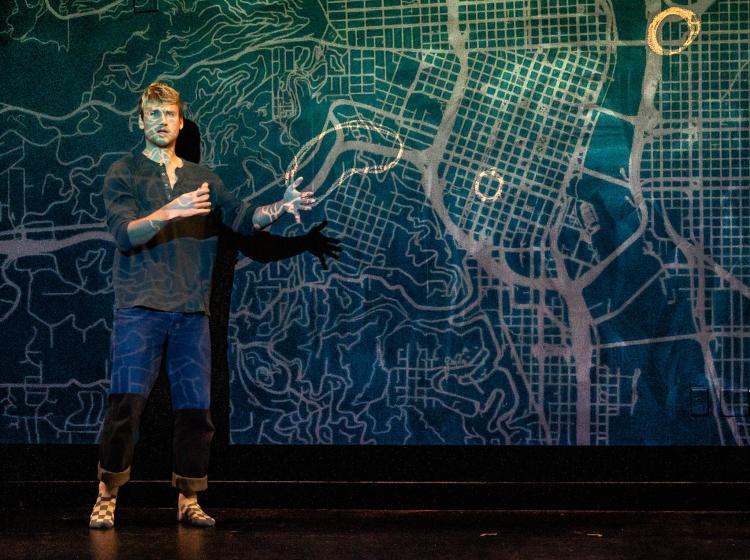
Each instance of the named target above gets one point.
<point>164,214</point>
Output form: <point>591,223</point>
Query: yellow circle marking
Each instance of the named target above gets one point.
<point>494,174</point>
<point>690,17</point>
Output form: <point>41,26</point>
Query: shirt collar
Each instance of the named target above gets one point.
<point>143,163</point>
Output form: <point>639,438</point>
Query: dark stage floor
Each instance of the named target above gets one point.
<point>327,534</point>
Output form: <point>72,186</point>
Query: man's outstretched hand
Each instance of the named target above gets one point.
<point>294,200</point>
<point>321,245</point>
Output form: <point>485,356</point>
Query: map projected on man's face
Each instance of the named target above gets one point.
<point>543,207</point>
<point>161,125</point>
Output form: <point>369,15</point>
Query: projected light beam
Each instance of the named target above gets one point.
<point>348,125</point>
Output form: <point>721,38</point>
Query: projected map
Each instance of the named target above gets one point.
<point>543,205</point>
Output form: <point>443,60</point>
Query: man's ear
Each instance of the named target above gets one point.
<point>140,122</point>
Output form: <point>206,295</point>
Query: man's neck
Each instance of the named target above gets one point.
<point>164,156</point>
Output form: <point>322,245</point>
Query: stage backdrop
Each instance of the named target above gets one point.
<point>543,207</point>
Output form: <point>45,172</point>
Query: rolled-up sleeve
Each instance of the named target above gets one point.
<point>236,214</point>
<point>120,204</point>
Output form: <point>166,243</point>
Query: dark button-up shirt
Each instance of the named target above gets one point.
<point>172,271</point>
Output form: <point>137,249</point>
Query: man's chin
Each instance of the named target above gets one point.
<point>162,141</point>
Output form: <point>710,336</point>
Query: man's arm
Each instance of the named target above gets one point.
<point>195,203</point>
<point>293,202</point>
<point>122,209</point>
<point>243,217</point>
<point>141,231</point>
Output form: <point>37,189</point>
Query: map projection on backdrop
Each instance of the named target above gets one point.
<point>543,205</point>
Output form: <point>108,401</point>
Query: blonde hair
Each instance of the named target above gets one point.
<point>159,92</point>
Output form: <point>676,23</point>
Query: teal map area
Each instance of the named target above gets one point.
<point>543,205</point>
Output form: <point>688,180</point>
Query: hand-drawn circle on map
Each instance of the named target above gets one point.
<point>348,125</point>
<point>690,17</point>
<point>493,174</point>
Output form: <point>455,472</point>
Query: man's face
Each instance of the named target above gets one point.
<point>161,123</point>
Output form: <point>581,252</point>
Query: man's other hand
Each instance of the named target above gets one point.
<point>194,203</point>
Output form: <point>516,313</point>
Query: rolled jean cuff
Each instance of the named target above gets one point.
<point>112,479</point>
<point>189,484</point>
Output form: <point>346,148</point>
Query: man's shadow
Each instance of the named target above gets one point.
<point>156,421</point>
<point>262,247</point>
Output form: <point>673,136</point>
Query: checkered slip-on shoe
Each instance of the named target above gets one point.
<point>103,514</point>
<point>190,513</point>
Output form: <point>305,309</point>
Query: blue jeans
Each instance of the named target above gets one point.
<point>141,339</point>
